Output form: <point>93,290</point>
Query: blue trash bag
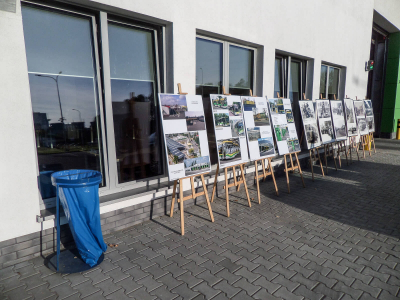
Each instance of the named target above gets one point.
<point>78,191</point>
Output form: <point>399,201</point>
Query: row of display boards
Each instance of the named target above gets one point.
<point>244,128</point>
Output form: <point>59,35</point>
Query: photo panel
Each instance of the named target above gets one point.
<point>185,135</point>
<point>351,121</point>
<point>259,134</point>
<point>229,129</point>
<point>310,127</point>
<point>324,119</point>
<point>360,113</point>
<point>283,126</point>
<point>369,113</point>
<point>338,119</point>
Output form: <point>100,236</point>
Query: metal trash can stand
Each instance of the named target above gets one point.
<point>78,192</point>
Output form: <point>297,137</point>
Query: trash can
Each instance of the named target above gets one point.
<point>78,192</point>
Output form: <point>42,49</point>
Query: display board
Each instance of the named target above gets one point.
<point>185,135</point>
<point>369,115</point>
<point>283,126</point>
<point>359,110</point>
<point>229,130</point>
<point>324,118</point>
<point>310,126</point>
<point>258,128</point>
<point>339,124</point>
<point>351,122</point>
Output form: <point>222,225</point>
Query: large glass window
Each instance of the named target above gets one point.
<point>135,110</point>
<point>64,94</point>
<point>329,82</point>
<point>240,70</point>
<point>278,83</point>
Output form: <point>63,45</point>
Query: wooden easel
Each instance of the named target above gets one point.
<point>353,145</point>
<point>313,158</point>
<point>265,173</point>
<point>194,195</point>
<point>372,140</point>
<point>292,168</point>
<point>331,152</point>
<point>236,182</point>
<point>341,149</point>
<point>364,141</point>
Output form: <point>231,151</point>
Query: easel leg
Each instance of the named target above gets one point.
<point>333,156</point>
<point>320,163</point>
<point>338,155</point>
<point>206,194</point>
<point>235,179</point>
<point>181,206</point>
<point>227,193</point>
<point>345,152</point>
<point>287,174</point>
<point>369,144</point>
<point>263,167</point>
<point>215,184</point>
<point>326,161</point>
<point>258,184</point>
<point>373,141</point>
<point>245,185</point>
<point>311,164</point>
<point>299,168</point>
<point>363,145</point>
<point>273,176</point>
<point>173,199</point>
<point>192,185</point>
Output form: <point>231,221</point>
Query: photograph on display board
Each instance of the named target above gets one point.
<point>324,119</point>
<point>360,111</point>
<point>173,107</point>
<point>351,122</point>
<point>229,128</point>
<point>310,127</point>
<point>369,113</point>
<point>338,119</point>
<point>248,103</point>
<point>195,120</point>
<point>229,151</point>
<point>283,126</point>
<point>185,135</point>
<point>260,139</point>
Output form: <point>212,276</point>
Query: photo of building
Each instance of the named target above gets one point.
<point>253,134</point>
<point>221,120</point>
<point>237,127</point>
<point>195,120</point>
<point>182,146</point>
<point>281,132</point>
<point>340,128</point>
<point>359,108</point>
<point>235,109</point>
<point>229,150</point>
<point>173,106</point>
<point>337,108</point>
<point>323,109</point>
<point>349,112</point>
<point>196,165</point>
<point>261,117</point>
<point>276,106</point>
<point>220,102</point>
<point>326,131</point>
<point>289,116</point>
<point>266,146</point>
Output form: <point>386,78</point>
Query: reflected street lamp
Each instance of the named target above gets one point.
<point>79,112</point>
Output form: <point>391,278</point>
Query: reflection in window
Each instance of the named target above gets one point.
<point>64,95</point>
<point>278,84</point>
<point>240,70</point>
<point>295,82</point>
<point>322,85</point>
<point>333,83</point>
<point>209,81</point>
<point>135,112</point>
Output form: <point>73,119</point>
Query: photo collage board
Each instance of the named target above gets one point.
<point>229,130</point>
<point>359,110</point>
<point>258,127</point>
<point>283,126</point>
<point>185,135</point>
<point>339,124</point>
<point>324,117</point>
<point>350,118</point>
<point>369,115</point>
<point>310,127</point>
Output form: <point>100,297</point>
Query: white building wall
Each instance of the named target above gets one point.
<point>336,32</point>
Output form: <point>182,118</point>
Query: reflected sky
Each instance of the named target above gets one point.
<point>208,62</point>
<point>75,93</point>
<point>240,67</point>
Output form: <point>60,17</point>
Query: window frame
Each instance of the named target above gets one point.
<point>225,61</point>
<point>98,89</point>
<point>327,80</point>
<point>105,19</point>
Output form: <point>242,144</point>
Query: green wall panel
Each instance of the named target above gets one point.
<point>387,123</point>
<point>392,70</point>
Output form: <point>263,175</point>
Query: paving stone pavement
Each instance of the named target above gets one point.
<point>338,238</point>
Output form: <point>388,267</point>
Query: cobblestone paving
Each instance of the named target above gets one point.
<point>336,239</point>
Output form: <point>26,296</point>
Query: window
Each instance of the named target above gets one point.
<point>64,93</point>
<point>213,57</point>
<point>220,63</point>
<point>329,82</point>
<point>67,96</point>
<point>135,113</point>
<point>290,82</point>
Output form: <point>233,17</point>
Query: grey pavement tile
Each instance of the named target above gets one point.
<point>247,286</point>
<point>7,273</point>
<point>282,292</point>
<point>211,279</point>
<point>41,292</point>
<point>163,293</point>
<point>33,281</point>
<point>149,283</point>
<point>76,278</point>
<point>288,284</point>
<point>128,284</point>
<point>97,276</point>
<point>373,291</point>
<point>54,280</point>
<point>263,294</point>
<point>206,290</point>
<point>356,275</point>
<point>108,286</point>
<point>303,291</point>
<point>189,279</point>
<point>244,272</point>
<point>184,292</point>
<point>86,288</point>
<point>227,276</point>
<point>242,296</point>
<point>64,291</point>
<point>265,272</point>
<point>208,265</point>
<point>95,296</point>
<point>16,294</point>
<point>386,296</point>
<point>227,288</point>
<point>341,287</point>
<point>328,292</point>
<point>11,283</point>
<point>169,281</point>
<point>118,295</point>
<point>392,289</point>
